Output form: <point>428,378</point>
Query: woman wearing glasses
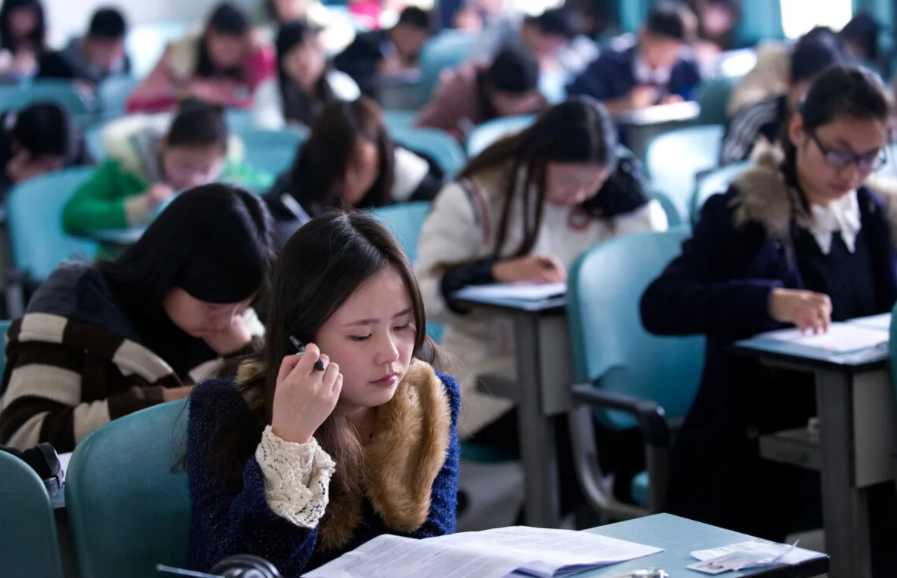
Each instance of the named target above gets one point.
<point>802,238</point>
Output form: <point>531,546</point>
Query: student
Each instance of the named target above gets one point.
<point>478,92</point>
<point>717,22</point>
<point>23,32</point>
<point>386,52</point>
<point>95,57</point>
<point>150,160</point>
<point>545,36</point>
<point>98,342</point>
<point>39,139</point>
<point>337,30</point>
<point>299,465</point>
<point>523,210</point>
<point>223,66</point>
<point>762,123</point>
<point>653,71</point>
<point>349,161</point>
<point>306,80</point>
<point>798,240</point>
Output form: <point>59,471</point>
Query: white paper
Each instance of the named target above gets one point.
<point>64,460</point>
<point>488,554</point>
<point>778,553</point>
<point>513,291</point>
<point>881,322</point>
<point>840,338</point>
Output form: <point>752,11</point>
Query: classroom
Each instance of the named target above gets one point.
<point>448,288</point>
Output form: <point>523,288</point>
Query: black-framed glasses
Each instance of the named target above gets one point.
<point>838,159</point>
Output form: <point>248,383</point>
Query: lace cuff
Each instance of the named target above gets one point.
<point>297,478</point>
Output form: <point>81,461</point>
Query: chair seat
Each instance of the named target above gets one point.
<point>639,489</point>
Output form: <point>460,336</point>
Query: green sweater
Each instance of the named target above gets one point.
<point>113,197</point>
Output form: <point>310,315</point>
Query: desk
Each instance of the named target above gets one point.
<point>858,429</point>
<point>679,537</point>
<point>398,91</point>
<point>542,393</point>
<point>640,126</point>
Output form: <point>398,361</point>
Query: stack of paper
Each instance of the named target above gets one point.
<point>751,554</point>
<point>512,291</point>
<point>489,554</point>
<point>840,338</point>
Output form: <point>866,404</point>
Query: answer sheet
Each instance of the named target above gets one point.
<point>488,554</point>
<point>840,338</point>
<point>513,291</point>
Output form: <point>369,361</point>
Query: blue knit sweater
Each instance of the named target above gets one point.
<point>229,521</point>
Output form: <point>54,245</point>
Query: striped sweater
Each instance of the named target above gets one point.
<point>74,363</point>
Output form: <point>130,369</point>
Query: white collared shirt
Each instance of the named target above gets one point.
<point>842,215</point>
<point>644,74</point>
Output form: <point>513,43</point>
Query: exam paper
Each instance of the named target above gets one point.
<point>488,554</point>
<point>781,554</point>
<point>881,322</point>
<point>840,338</point>
<point>513,291</point>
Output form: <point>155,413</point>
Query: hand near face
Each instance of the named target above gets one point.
<point>305,397</point>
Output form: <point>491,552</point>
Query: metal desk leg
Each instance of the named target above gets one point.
<point>537,433</point>
<point>844,506</point>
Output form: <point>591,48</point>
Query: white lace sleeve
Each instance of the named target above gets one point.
<point>297,478</point>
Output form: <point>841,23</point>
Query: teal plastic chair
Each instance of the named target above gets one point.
<point>674,158</point>
<point>239,121</point>
<point>490,131</point>
<point>448,49</point>
<point>128,506</point>
<point>436,144</point>
<point>113,95</point>
<point>626,376</point>
<point>62,92</point>
<point>405,221</point>
<point>713,183</point>
<point>271,151</point>
<point>4,329</point>
<point>713,96</point>
<point>28,543</point>
<point>677,214</point>
<point>402,119</point>
<point>37,242</point>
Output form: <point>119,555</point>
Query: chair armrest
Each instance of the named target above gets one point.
<point>650,416</point>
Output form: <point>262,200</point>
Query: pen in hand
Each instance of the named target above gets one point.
<point>319,365</point>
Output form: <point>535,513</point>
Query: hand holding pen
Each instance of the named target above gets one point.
<point>308,387</point>
<point>530,269</point>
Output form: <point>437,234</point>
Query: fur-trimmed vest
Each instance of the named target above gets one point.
<point>409,482</point>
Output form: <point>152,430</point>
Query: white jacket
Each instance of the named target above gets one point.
<point>461,227</point>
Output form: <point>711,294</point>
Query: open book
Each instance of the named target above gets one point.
<point>488,554</point>
<point>512,291</point>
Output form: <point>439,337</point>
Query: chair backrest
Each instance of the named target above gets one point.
<point>677,214</point>
<point>62,92</point>
<point>128,506</point>
<point>34,213</point>
<point>269,150</point>
<point>394,119</point>
<point>490,131</point>
<point>673,159</point>
<point>713,96</point>
<point>28,543</point>
<point>448,49</point>
<point>436,144</point>
<point>113,94</point>
<point>405,220</point>
<point>610,346</point>
<point>713,183</point>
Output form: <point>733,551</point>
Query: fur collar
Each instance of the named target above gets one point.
<point>764,197</point>
<point>401,464</point>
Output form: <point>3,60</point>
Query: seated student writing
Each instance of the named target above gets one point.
<point>306,81</point>
<point>222,66</point>
<point>653,71</point>
<point>101,341</point>
<point>349,162</point>
<point>23,32</point>
<point>798,240</point>
<point>93,58</point>
<point>477,92</point>
<point>303,458</point>
<point>150,160</point>
<point>762,124</point>
<point>386,52</point>
<point>37,140</point>
<point>523,210</point>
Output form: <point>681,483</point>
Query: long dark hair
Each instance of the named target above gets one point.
<point>577,131</point>
<point>298,106</point>
<point>38,35</point>
<point>215,242</point>
<point>841,91</point>
<point>322,161</point>
<point>228,20</point>
<point>319,269</point>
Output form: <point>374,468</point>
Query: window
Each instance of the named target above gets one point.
<point>800,16</point>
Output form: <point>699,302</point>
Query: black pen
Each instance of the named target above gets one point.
<point>319,365</point>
